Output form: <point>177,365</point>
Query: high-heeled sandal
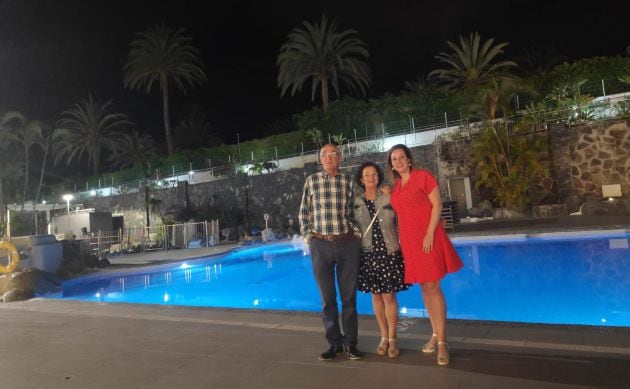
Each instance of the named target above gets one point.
<point>382,347</point>
<point>393,351</point>
<point>443,356</point>
<point>429,346</point>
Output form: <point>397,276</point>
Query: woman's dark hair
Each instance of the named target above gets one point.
<point>393,173</point>
<point>359,174</point>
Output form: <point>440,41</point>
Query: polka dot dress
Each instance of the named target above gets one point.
<point>378,271</point>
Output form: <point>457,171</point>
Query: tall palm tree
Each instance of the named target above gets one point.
<point>322,54</point>
<point>538,60</point>
<point>46,141</point>
<point>133,149</point>
<point>4,162</point>
<point>26,133</point>
<point>194,130</point>
<point>471,63</point>
<point>88,129</point>
<point>163,55</point>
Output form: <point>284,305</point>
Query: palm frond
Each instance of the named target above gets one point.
<point>322,54</point>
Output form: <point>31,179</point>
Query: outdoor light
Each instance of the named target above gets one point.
<point>68,197</point>
<point>93,192</point>
<point>43,201</point>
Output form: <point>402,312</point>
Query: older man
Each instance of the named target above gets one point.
<point>327,225</point>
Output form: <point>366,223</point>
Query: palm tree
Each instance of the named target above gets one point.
<point>471,63</point>
<point>4,163</point>
<point>26,133</point>
<point>195,130</point>
<point>88,129</point>
<point>419,84</point>
<point>133,149</point>
<point>538,60</point>
<point>500,93</point>
<point>46,141</point>
<point>322,54</point>
<point>165,56</point>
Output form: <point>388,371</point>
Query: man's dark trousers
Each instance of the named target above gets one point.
<point>341,257</point>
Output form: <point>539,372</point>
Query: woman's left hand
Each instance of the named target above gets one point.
<point>427,243</point>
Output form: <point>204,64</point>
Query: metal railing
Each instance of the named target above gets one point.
<point>161,237</point>
<point>399,131</point>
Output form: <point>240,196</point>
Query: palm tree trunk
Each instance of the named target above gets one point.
<point>96,157</point>
<point>324,93</point>
<point>41,175</point>
<point>1,194</point>
<point>492,106</point>
<point>167,120</point>
<point>26,171</point>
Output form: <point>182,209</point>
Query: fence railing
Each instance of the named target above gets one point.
<point>161,237</point>
<point>400,131</point>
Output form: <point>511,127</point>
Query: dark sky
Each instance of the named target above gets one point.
<point>53,53</point>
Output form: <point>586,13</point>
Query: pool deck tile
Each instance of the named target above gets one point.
<point>67,344</point>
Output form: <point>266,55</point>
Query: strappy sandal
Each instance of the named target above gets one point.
<point>430,345</point>
<point>393,351</point>
<point>443,357</point>
<point>382,347</point>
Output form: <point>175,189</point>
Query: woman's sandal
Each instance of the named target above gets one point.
<point>429,347</point>
<point>382,347</point>
<point>393,351</point>
<point>443,356</point>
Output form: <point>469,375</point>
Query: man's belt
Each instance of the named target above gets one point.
<point>331,238</point>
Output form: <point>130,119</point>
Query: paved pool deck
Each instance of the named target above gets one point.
<point>75,344</point>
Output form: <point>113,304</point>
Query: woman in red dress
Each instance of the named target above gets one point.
<point>428,253</point>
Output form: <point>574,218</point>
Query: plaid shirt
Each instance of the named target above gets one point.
<point>326,206</point>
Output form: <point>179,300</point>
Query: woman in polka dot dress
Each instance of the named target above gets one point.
<point>381,270</point>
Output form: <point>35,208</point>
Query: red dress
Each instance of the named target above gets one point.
<point>413,210</point>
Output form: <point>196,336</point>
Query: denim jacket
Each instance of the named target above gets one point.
<point>386,219</point>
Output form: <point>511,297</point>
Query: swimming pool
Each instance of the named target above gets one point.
<point>547,278</point>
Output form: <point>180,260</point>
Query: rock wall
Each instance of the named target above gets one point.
<point>277,193</point>
<point>584,158</point>
<point>589,156</point>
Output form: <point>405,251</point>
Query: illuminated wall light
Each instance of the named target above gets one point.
<point>166,297</point>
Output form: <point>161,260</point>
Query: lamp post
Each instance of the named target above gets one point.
<point>68,198</point>
<point>238,146</point>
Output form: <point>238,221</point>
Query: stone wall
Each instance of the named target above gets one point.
<point>584,158</point>
<point>588,156</point>
<point>277,193</point>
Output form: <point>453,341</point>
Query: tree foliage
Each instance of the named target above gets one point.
<point>509,163</point>
<point>164,56</point>
<point>323,55</point>
<point>88,129</point>
<point>26,133</point>
<point>471,63</point>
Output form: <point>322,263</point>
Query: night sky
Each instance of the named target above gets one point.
<point>53,53</point>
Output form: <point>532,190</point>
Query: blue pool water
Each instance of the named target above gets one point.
<point>549,279</point>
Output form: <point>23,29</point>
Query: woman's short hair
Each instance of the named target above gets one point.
<point>359,174</point>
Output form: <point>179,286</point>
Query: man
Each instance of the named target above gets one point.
<point>327,226</point>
